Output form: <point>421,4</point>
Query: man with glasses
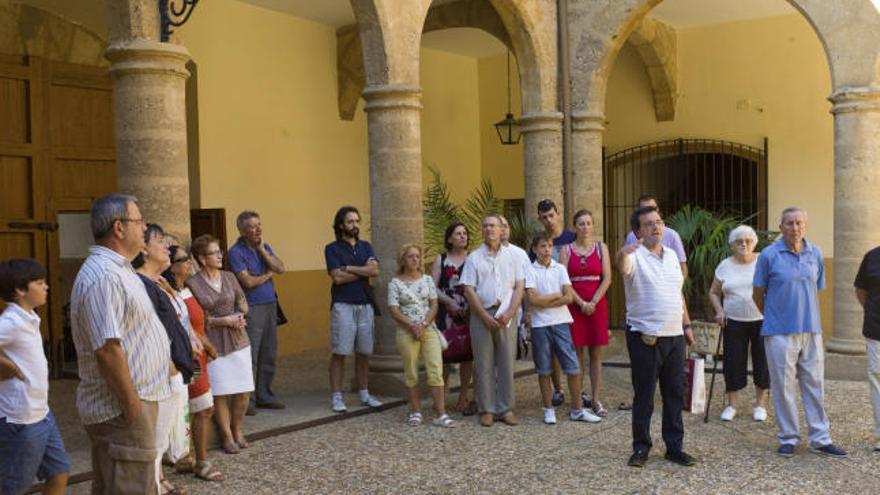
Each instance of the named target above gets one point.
<point>671,239</point>
<point>123,353</point>
<point>493,283</point>
<point>254,263</point>
<point>657,328</point>
<point>788,276</point>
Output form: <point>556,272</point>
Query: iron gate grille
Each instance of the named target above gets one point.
<point>715,175</point>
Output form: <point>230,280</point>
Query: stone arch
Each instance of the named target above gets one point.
<point>601,27</point>
<point>477,14</point>
<point>35,32</point>
<point>522,26</point>
<point>656,43</point>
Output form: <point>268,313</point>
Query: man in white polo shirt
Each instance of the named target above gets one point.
<point>493,285</point>
<point>657,327</point>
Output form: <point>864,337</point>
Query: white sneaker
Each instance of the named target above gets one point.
<point>549,416</point>
<point>337,404</point>
<point>371,401</point>
<point>584,415</point>
<point>728,413</point>
<point>759,414</point>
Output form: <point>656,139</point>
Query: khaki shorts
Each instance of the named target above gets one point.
<point>351,329</point>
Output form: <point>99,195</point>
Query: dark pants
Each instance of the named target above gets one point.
<point>738,335</point>
<point>663,361</point>
<point>262,330</point>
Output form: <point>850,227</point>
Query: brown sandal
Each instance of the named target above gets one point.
<point>204,470</point>
<point>231,448</point>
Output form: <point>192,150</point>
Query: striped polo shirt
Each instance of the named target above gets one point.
<point>109,302</point>
<point>653,293</point>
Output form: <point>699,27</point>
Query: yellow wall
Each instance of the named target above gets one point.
<point>271,138</point>
<point>502,164</point>
<point>778,66</point>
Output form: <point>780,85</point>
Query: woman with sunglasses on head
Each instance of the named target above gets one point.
<point>230,376</point>
<point>201,402</point>
<point>589,268</point>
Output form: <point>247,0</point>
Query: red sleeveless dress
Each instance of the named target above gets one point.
<point>586,275</point>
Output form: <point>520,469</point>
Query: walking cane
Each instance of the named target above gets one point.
<point>714,369</point>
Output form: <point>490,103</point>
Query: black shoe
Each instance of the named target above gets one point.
<point>681,458</point>
<point>638,459</point>
<point>271,405</point>
<point>558,398</point>
<point>251,411</point>
<point>586,400</point>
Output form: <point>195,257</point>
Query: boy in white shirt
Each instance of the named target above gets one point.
<point>30,444</point>
<point>549,293</point>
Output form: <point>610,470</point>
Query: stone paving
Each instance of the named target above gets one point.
<point>378,453</point>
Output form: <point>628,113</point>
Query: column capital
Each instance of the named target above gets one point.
<point>587,121</point>
<point>541,122</point>
<point>147,56</point>
<point>855,99</point>
<point>389,96</point>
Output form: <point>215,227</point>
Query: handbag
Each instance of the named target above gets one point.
<point>458,336</point>
<point>695,385</point>
<point>280,317</point>
<point>444,344</point>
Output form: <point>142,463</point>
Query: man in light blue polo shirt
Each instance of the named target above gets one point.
<point>788,276</point>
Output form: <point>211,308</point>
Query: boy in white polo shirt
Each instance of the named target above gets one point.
<point>549,292</point>
<point>30,444</point>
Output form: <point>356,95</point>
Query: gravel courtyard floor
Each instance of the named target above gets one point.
<point>378,453</point>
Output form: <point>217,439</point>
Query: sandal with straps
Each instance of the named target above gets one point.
<point>444,421</point>
<point>204,470</point>
<point>599,409</point>
<point>414,419</point>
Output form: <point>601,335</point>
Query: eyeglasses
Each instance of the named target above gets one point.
<point>132,220</point>
<point>744,241</point>
<point>182,260</point>
<point>214,253</point>
<point>658,223</point>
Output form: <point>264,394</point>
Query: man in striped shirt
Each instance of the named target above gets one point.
<point>123,353</point>
<point>657,328</point>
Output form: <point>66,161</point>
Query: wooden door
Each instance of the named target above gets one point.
<point>23,163</point>
<point>57,154</point>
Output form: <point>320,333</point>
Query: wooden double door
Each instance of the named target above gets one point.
<point>57,154</point>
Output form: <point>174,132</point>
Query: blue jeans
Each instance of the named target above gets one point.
<point>554,340</point>
<point>28,452</point>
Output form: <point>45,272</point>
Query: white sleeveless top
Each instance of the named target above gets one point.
<point>736,286</point>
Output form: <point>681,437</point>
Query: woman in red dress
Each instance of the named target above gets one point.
<point>589,267</point>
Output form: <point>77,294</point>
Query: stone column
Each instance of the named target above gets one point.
<point>542,135</point>
<point>587,129</point>
<point>149,103</point>
<point>394,128</point>
<point>856,209</point>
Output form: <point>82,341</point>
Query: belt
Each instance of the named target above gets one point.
<point>584,278</point>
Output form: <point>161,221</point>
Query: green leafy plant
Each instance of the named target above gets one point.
<point>440,211</point>
<point>704,235</point>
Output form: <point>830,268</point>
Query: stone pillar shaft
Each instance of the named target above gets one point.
<point>587,129</point>
<point>393,125</point>
<point>149,97</point>
<point>856,210</point>
<point>542,135</point>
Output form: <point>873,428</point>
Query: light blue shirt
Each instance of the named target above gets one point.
<point>792,282</point>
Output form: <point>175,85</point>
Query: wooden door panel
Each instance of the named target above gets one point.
<point>14,110</point>
<point>16,182</point>
<point>83,178</point>
<point>73,106</point>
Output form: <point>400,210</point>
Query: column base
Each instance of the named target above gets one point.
<point>845,346</point>
<point>386,363</point>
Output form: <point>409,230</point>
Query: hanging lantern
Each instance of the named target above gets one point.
<point>509,130</point>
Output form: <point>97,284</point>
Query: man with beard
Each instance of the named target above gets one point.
<point>254,264</point>
<point>350,263</point>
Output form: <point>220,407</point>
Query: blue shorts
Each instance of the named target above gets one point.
<point>28,452</point>
<point>554,340</point>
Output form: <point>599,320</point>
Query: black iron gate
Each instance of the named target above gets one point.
<point>715,175</point>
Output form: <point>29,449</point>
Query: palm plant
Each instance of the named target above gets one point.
<point>440,211</point>
<point>704,235</point>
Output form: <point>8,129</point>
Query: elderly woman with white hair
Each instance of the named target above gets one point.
<point>731,296</point>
